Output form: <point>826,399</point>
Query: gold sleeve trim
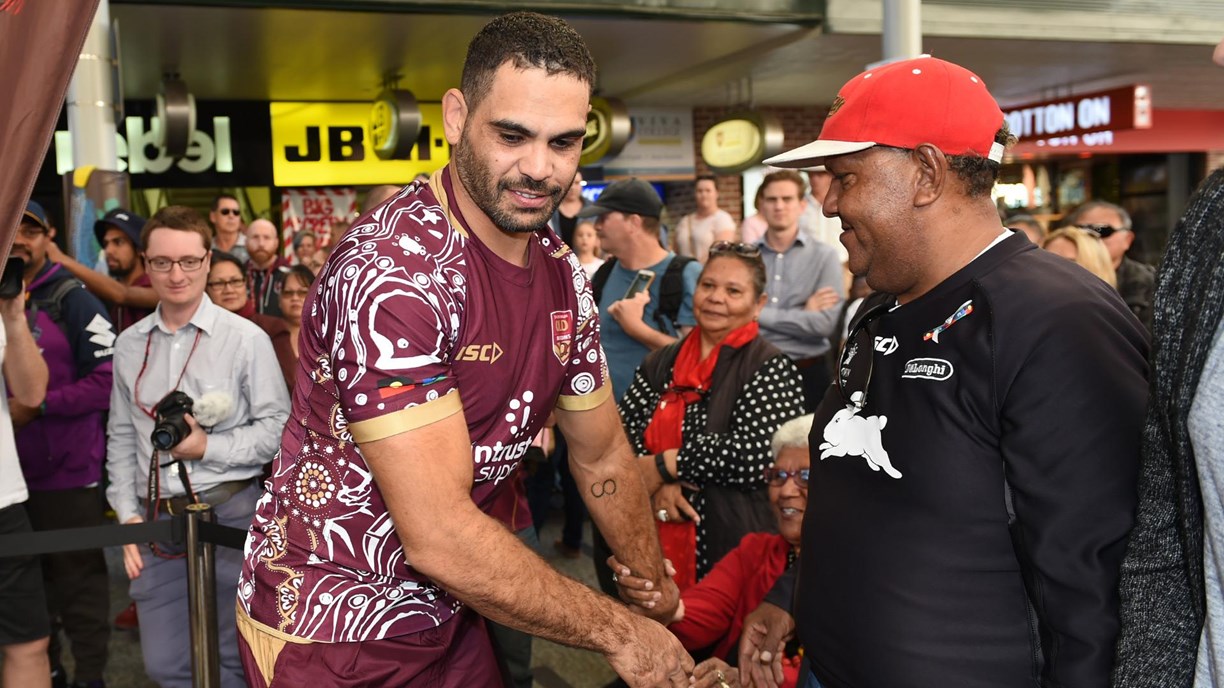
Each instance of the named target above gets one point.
<point>406,419</point>
<point>586,402</point>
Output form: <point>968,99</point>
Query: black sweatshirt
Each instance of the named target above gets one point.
<point>966,527</point>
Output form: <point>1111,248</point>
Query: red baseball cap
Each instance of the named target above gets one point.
<point>905,104</point>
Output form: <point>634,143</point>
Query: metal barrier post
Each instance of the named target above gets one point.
<point>202,601</point>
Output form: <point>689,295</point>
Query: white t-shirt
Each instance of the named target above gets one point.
<point>694,235</point>
<point>12,483</point>
<point>591,267</point>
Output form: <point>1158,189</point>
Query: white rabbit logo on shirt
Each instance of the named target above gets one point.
<point>849,434</point>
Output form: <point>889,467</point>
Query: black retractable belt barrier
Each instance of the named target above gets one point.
<point>97,537</point>
<point>196,529</point>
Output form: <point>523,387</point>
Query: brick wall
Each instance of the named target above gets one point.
<point>801,124</point>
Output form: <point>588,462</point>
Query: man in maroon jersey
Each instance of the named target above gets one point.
<point>445,326</point>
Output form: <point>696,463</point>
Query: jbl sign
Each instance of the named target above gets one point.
<point>324,144</point>
<point>347,144</point>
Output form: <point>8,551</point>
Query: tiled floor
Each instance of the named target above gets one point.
<point>555,666</point>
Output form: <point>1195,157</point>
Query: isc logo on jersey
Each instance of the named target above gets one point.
<point>489,353</point>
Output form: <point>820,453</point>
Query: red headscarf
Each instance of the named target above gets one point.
<point>691,379</point>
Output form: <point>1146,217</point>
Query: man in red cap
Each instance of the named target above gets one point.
<point>974,465</point>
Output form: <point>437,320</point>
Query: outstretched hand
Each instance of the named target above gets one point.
<point>715,673</point>
<point>766,631</point>
<point>643,596</point>
<point>651,657</point>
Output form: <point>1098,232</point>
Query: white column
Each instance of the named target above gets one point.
<point>91,107</point>
<point>902,29</point>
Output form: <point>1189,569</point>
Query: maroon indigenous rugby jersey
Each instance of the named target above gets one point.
<point>411,319</point>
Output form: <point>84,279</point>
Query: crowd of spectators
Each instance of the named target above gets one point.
<point>709,401</point>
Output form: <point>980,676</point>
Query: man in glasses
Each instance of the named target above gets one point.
<point>1136,281</point>
<point>803,281</point>
<point>61,442</point>
<point>216,452</point>
<point>226,219</point>
<point>974,465</point>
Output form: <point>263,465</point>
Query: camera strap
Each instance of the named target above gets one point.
<point>145,364</point>
<point>153,487</point>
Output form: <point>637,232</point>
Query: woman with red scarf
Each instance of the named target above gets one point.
<point>701,412</point>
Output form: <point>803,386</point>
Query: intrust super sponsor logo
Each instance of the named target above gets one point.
<point>927,369</point>
<point>496,463</point>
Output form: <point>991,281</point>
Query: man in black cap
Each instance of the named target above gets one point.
<point>627,222</point>
<point>632,325</point>
<point>127,291</point>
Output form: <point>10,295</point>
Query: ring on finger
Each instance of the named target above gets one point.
<point>662,515</point>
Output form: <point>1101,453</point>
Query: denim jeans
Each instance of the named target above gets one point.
<point>812,681</point>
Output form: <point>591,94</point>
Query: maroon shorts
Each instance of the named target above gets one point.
<point>457,654</point>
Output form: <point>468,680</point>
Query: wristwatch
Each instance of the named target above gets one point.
<point>661,464</point>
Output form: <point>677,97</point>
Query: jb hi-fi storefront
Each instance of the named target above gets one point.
<point>1113,145</point>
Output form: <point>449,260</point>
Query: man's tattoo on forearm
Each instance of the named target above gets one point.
<point>605,489</point>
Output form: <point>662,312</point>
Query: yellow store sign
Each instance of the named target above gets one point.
<point>329,144</point>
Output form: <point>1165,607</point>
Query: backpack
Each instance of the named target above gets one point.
<point>53,304</point>
<point>671,291</point>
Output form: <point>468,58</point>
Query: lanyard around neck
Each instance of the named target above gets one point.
<point>145,364</point>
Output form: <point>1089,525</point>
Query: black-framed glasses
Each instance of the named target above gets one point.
<point>776,477</point>
<point>739,248</point>
<point>230,211</point>
<point>1101,231</point>
<point>852,383</point>
<point>188,264</point>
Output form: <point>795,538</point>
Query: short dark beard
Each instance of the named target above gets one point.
<point>120,273</point>
<point>484,191</point>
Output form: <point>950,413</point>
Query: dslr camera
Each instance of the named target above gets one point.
<point>171,428</point>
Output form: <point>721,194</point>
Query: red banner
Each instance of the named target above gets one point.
<point>1114,110</point>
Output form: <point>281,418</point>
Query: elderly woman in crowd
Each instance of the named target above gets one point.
<point>711,614</point>
<point>227,288</point>
<point>700,414</point>
<point>1083,248</point>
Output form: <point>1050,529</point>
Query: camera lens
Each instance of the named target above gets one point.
<point>164,438</point>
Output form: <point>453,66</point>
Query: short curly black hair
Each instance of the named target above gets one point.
<point>980,174</point>
<point>528,40</point>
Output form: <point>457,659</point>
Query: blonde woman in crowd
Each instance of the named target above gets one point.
<point>1085,249</point>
